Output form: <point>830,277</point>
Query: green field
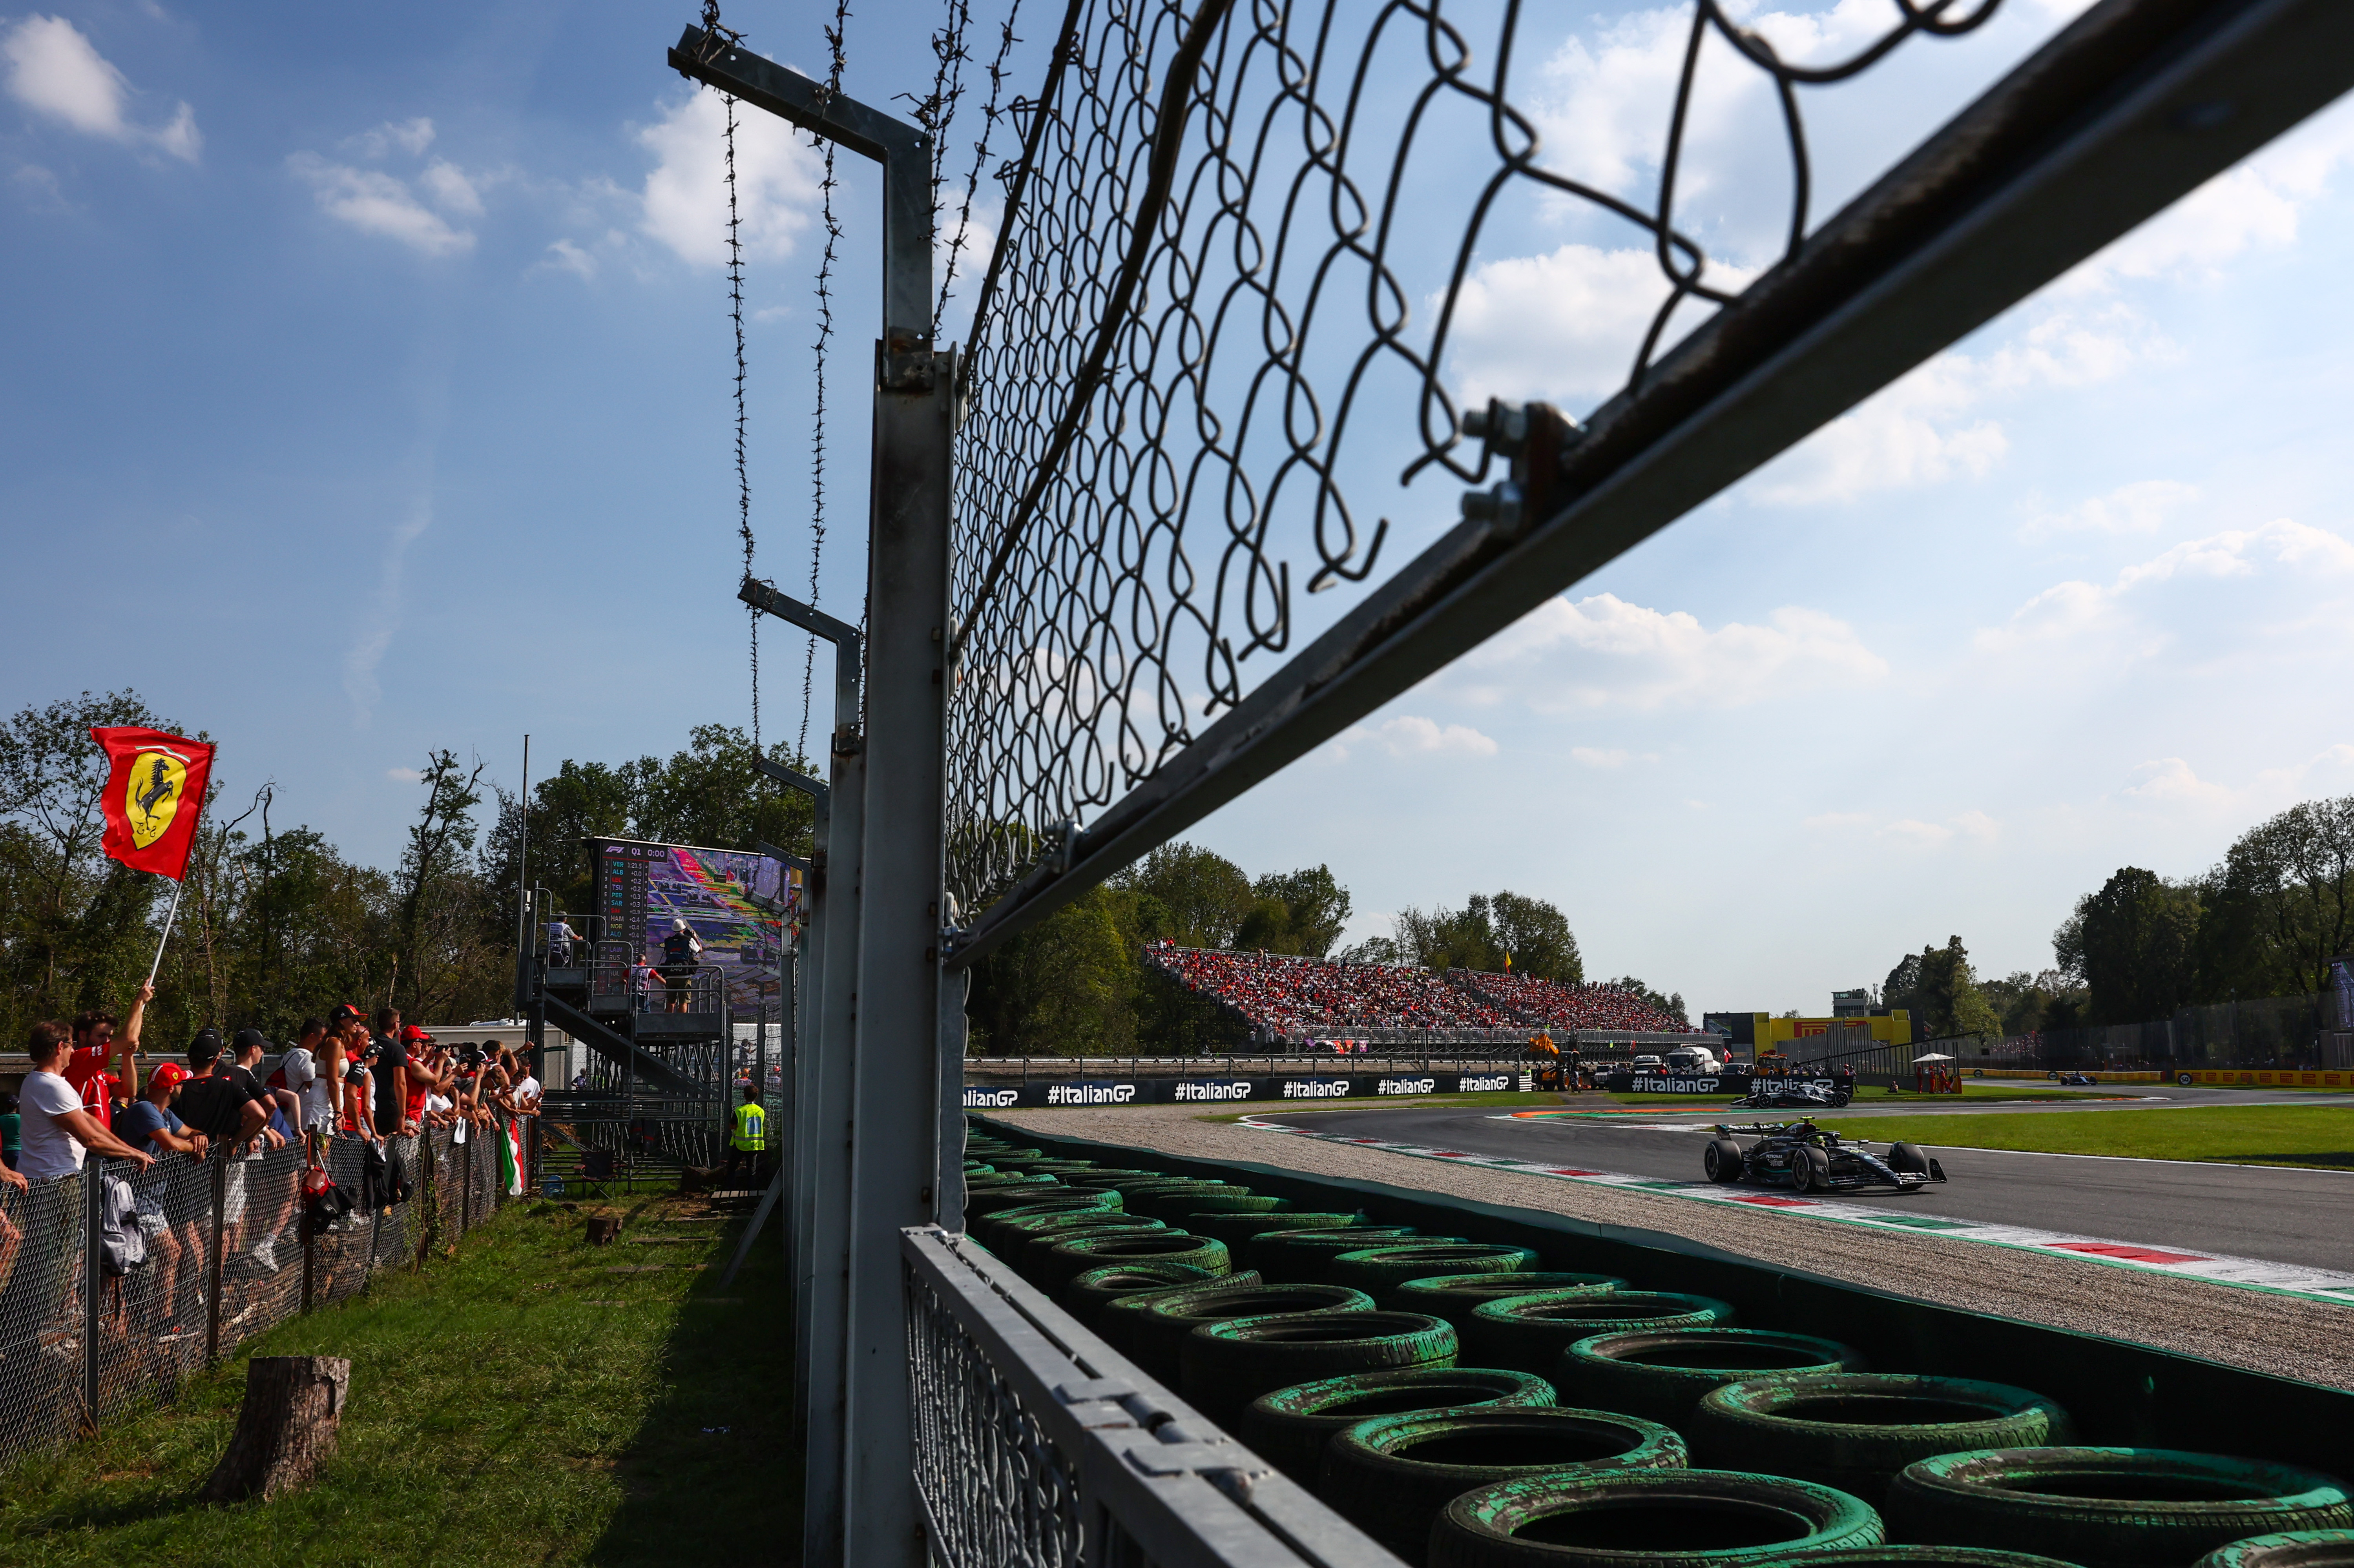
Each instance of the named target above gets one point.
<point>526,1402</point>
<point>2251,1135</point>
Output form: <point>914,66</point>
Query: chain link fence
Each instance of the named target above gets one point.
<point>232,1247</point>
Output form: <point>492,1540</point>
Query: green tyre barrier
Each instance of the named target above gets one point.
<point>1109,1178</point>
<point>2109,1508</point>
<point>1007,1236</point>
<point>1299,1254</point>
<point>1120,1322</point>
<point>1087,1296</point>
<point>1169,1203</point>
<point>1242,1200</point>
<point>1290,1427</point>
<point>988,1224</point>
<point>1647,1519</point>
<point>1916,1557</point>
<point>1391,1475</point>
<point>1224,1366</point>
<point>1236,1228</point>
<point>1856,1430</point>
<point>1659,1374</point>
<point>1534,1332</point>
<point>2287,1548</point>
<point>1380,1269</point>
<point>1030,1258</point>
<point>1002,1180</point>
<point>1454,1295</point>
<point>1065,1261</point>
<point>1159,1333</point>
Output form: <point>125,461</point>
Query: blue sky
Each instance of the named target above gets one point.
<point>368,389</point>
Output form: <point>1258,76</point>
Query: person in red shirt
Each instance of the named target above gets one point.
<point>97,1049</point>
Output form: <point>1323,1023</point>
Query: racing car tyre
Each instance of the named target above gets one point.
<point>1378,1268</point>
<point>1646,1518</point>
<point>2288,1549</point>
<point>1453,1296</point>
<point>1916,1557</point>
<point>1301,1255</point>
<point>1290,1427</point>
<point>1659,1374</point>
<point>1532,1333</point>
<point>1908,1157</point>
<point>1233,1229</point>
<point>1840,1097</point>
<point>2109,1508</point>
<point>1856,1430</point>
<point>1157,1333</point>
<point>1391,1475</point>
<point>1087,1296</point>
<point>1224,1366</point>
<point>2055,1077</point>
<point>1810,1170</point>
<point>1067,1260</point>
<point>1721,1160</point>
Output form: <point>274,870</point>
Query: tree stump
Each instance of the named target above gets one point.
<point>602,1229</point>
<point>287,1428</point>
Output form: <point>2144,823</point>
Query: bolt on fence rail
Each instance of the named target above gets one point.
<point>229,1253</point>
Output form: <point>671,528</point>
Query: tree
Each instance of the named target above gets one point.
<point>1537,935</point>
<point>1936,989</point>
<point>1299,912</point>
<point>1671,1004</point>
<point>2281,904</point>
<point>1478,937</point>
<point>1065,987</point>
<point>1206,896</point>
<point>2134,943</point>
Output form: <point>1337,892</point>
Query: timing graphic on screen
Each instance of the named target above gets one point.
<point>738,905</point>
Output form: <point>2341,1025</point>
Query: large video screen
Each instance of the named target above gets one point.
<point>738,905</point>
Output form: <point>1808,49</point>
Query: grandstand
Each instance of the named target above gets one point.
<point>1298,1000</point>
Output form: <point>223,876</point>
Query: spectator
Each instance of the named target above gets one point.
<point>525,1091</point>
<point>227,1103</point>
<point>245,1052</point>
<point>59,1129</point>
<point>150,1122</point>
<point>561,941</point>
<point>91,1067</point>
<point>302,1075</point>
<point>394,1073</point>
<point>642,975</point>
<point>682,951</point>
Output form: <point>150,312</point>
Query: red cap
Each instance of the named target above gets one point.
<point>168,1073</point>
<point>412,1036</point>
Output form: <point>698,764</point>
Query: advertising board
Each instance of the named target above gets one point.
<point>1329,1088</point>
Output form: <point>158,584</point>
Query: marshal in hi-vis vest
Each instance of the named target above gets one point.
<point>751,1128</point>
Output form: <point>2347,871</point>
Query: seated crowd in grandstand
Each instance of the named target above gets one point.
<point>1302,999</point>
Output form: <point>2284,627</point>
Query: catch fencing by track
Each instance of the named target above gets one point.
<point>229,1255</point>
<point>1231,263</point>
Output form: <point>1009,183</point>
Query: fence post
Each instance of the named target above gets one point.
<point>309,1243</point>
<point>93,1281</point>
<point>466,1183</point>
<point>215,1269</point>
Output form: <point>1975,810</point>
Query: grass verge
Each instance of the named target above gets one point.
<point>2322,1136</point>
<point>531,1400</point>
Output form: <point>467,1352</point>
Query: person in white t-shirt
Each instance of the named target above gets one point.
<point>58,1129</point>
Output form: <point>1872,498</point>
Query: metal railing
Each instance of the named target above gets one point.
<point>229,1253</point>
<point>1037,1444</point>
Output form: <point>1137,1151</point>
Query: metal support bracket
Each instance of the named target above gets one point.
<point>815,788</point>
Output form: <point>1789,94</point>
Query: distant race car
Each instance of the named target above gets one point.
<point>1809,1159</point>
<point>1790,1093</point>
<point>2079,1080</point>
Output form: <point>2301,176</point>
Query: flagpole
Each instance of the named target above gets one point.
<point>174,915</point>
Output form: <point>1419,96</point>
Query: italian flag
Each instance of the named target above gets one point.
<point>511,1157</point>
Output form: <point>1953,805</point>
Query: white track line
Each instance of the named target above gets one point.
<point>2247,1273</point>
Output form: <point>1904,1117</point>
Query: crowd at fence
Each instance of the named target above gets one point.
<point>1285,998</point>
<point>117,1284</point>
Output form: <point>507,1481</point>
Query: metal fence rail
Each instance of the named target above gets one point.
<point>1037,1445</point>
<point>229,1253</point>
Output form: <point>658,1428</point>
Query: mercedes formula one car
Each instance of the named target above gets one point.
<point>1790,1093</point>
<point>1807,1159</point>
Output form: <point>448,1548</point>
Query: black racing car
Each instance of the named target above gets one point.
<point>1790,1093</point>
<point>1809,1159</point>
<point>2076,1080</point>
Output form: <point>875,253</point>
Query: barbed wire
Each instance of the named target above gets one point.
<point>832,225</point>
<point>736,314</point>
<point>1206,280</point>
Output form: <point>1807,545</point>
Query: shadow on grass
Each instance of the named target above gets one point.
<point>714,1472</point>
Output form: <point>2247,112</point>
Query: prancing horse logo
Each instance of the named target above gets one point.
<point>152,797</point>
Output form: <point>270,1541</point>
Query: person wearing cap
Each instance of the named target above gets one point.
<point>150,1122</point>
<point>680,952</point>
<point>284,1110</point>
<point>423,1077</point>
<point>395,1074</point>
<point>101,1069</point>
<point>215,1102</point>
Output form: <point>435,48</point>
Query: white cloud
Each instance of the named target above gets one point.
<point>1591,757</point>
<point>56,71</point>
<point>451,189</point>
<point>2066,610</point>
<point>1910,831</point>
<point>1924,428</point>
<point>405,775</point>
<point>1410,736</point>
<point>565,256</point>
<point>410,136</point>
<point>363,658</point>
<point>2136,508</point>
<point>1564,327</point>
<point>377,203</point>
<point>2170,778</point>
<point>685,197</point>
<point>1603,650</point>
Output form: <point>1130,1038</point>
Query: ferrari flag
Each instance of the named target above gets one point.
<point>154,792</point>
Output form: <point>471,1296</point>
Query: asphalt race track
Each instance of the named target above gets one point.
<point>2275,1214</point>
